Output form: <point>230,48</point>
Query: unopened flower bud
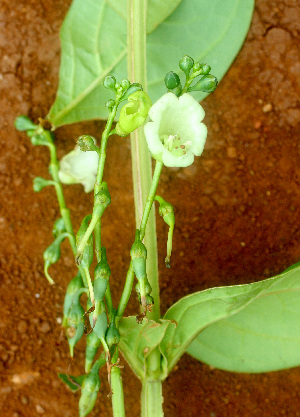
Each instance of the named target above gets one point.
<point>172,80</point>
<point>186,64</point>
<point>110,82</point>
<point>207,84</point>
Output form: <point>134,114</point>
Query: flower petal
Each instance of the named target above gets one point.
<point>79,167</point>
<point>171,160</point>
<point>152,138</point>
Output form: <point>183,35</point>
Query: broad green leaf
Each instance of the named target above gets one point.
<point>93,42</point>
<point>246,328</point>
<point>264,336</point>
<point>138,340</point>
<point>157,10</point>
<point>73,382</point>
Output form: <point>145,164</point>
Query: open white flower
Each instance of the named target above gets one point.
<point>78,167</point>
<point>175,134</point>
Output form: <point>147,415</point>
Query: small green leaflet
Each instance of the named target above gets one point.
<point>73,382</point>
<point>138,340</point>
<point>94,45</point>
<point>244,328</point>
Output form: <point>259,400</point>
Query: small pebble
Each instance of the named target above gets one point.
<point>267,108</point>
<point>39,409</point>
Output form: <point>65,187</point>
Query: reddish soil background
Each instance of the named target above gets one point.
<point>237,211</point>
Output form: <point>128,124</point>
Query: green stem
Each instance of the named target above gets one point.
<point>130,274</point>
<point>151,399</point>
<point>117,389</point>
<point>142,172</point>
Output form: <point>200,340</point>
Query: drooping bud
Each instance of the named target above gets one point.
<point>74,324</point>
<point>112,336</point>
<point>52,254</point>
<point>102,200</point>
<point>101,276</point>
<point>138,255</point>
<point>186,64</point>
<point>134,113</point>
<point>166,210</point>
<point>58,227</point>
<point>125,84</point>
<point>75,285</point>
<point>92,344</point>
<point>100,326</point>
<point>89,391</point>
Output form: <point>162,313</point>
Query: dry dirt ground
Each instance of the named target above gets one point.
<point>237,211</point>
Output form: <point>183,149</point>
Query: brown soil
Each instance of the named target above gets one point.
<point>237,211</point>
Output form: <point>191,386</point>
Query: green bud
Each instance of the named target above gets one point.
<point>100,326</point>
<point>118,86</point>
<point>138,255</point>
<point>83,228</point>
<point>166,210</point>
<point>92,344</point>
<point>186,64</point>
<point>125,84</point>
<point>148,288</point>
<point>39,183</point>
<point>112,336</point>
<point>102,200</point>
<point>172,80</point>
<point>134,113</point>
<point>132,89</point>
<point>58,227</point>
<point>75,285</point>
<point>87,254</point>
<point>110,103</point>
<point>23,123</point>
<point>207,84</point>
<point>196,67</point>
<point>52,254</point>
<point>87,143</point>
<point>89,391</point>
<point>206,69</point>
<point>110,82</point>
<point>149,300</point>
<point>75,324</point>
<point>101,276</point>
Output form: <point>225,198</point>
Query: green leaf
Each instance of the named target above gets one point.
<point>93,39</point>
<point>244,328</point>
<point>137,341</point>
<point>73,382</point>
<point>157,10</point>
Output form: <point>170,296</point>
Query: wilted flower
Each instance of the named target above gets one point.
<point>78,167</point>
<point>175,134</point>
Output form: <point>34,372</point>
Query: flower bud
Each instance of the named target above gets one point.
<point>125,84</point>
<point>110,82</point>
<point>75,285</point>
<point>112,335</point>
<point>52,254</point>
<point>207,84</point>
<point>138,255</point>
<point>102,200</point>
<point>75,324</point>
<point>110,103</point>
<point>100,326</point>
<point>186,64</point>
<point>172,80</point>
<point>58,227</point>
<point>134,113</point>
<point>23,123</point>
<point>87,143</point>
<point>92,344</point>
<point>89,391</point>
<point>166,210</point>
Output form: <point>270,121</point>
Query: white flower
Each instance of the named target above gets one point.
<point>176,133</point>
<point>79,167</point>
